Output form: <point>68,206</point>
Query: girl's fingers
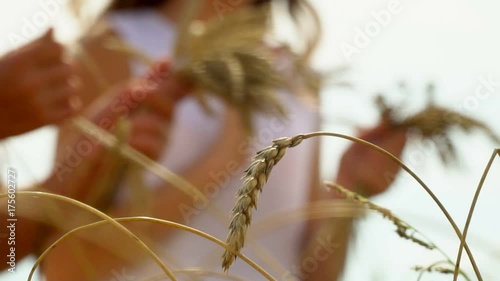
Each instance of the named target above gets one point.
<point>159,72</point>
<point>175,87</point>
<point>168,83</point>
<point>51,96</point>
<point>159,103</point>
<point>134,97</point>
<point>58,74</point>
<point>54,95</point>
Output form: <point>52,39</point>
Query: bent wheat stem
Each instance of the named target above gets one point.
<point>312,211</point>
<point>471,212</point>
<point>182,227</point>
<point>438,269</point>
<point>402,227</point>
<point>260,170</point>
<point>136,157</point>
<point>98,213</point>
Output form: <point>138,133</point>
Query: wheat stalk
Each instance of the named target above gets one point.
<point>254,75</point>
<point>106,219</point>
<point>116,221</point>
<point>261,167</point>
<point>403,229</point>
<point>437,268</point>
<point>311,211</point>
<point>80,256</point>
<point>496,153</point>
<point>433,268</point>
<point>131,154</point>
<point>248,195</point>
<point>143,161</point>
<point>116,44</point>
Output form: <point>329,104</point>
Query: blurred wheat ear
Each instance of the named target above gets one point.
<point>260,170</point>
<point>228,58</point>
<point>436,122</point>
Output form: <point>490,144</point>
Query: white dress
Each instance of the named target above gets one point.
<point>192,134</point>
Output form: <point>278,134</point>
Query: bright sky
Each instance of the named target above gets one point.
<point>450,42</point>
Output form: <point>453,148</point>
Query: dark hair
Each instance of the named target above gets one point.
<point>295,8</point>
<point>120,5</point>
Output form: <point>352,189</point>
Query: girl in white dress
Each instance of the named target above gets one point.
<point>208,150</point>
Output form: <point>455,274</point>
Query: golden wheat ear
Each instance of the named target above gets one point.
<point>260,169</point>
<point>228,58</point>
<point>248,195</point>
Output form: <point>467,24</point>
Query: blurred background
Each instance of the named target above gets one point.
<point>452,43</point>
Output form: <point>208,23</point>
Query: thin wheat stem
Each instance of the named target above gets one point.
<point>312,211</point>
<point>109,140</point>
<point>260,170</point>
<point>81,258</point>
<point>471,211</point>
<point>422,271</point>
<point>402,226</point>
<point>141,160</point>
<point>418,179</point>
<point>163,222</point>
<point>98,213</point>
<point>118,45</point>
<point>432,266</point>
